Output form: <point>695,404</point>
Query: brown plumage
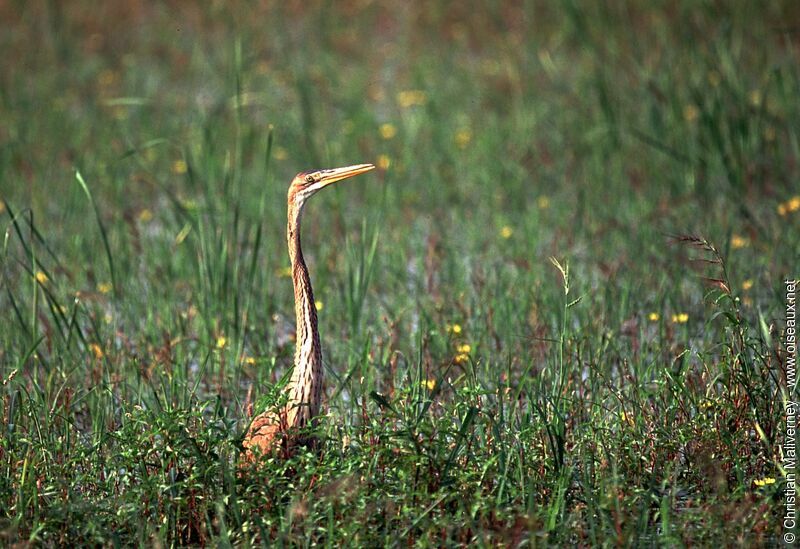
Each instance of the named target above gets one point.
<point>272,429</point>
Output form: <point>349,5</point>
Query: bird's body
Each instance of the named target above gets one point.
<point>271,429</point>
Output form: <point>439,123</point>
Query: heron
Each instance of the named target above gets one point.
<point>272,429</point>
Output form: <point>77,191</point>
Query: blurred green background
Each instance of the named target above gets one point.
<point>145,153</point>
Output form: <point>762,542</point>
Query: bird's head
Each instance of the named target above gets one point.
<point>306,184</point>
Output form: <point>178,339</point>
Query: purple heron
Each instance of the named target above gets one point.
<point>271,429</point>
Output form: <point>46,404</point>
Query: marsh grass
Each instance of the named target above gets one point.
<point>628,391</point>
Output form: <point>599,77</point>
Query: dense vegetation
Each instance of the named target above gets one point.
<point>628,390</point>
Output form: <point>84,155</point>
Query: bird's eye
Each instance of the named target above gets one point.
<point>309,179</point>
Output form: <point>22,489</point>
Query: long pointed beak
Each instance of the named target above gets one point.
<point>337,174</point>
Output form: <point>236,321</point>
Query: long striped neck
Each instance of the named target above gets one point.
<point>305,391</point>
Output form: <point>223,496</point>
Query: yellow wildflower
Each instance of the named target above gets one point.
<point>388,131</point>
<point>41,278</point>
<point>653,317</point>
<point>249,360</point>
<point>506,232</point>
<point>384,162</point>
<point>623,415</point>
<point>179,167</point>
<point>145,215</point>
<point>319,305</point>
<point>747,284</point>
<point>738,242</point>
<point>543,202</point>
<point>462,138</point>
<point>764,481</point>
<point>429,383</point>
<point>97,351</point>
<point>104,287</point>
<point>453,328</point>
<point>281,154</point>
<point>680,318</point>
<point>690,113</point>
<point>461,358</point>
<point>411,98</point>
<point>790,206</point>
<point>221,342</point>
<point>464,349</point>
